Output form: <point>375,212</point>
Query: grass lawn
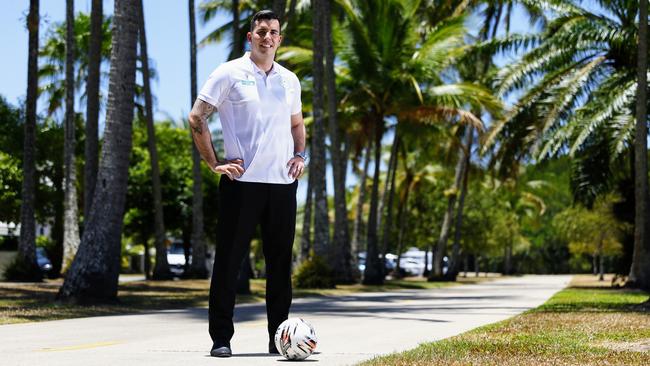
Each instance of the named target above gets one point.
<point>20,303</point>
<point>588,323</point>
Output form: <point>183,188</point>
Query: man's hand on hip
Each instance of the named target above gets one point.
<point>296,167</point>
<point>232,168</point>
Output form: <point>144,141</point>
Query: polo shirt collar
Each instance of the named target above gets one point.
<point>255,69</point>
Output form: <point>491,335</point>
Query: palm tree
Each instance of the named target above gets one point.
<point>459,173</point>
<point>198,269</point>
<point>242,10</point>
<point>91,147</point>
<point>27,245</point>
<point>586,63</point>
<point>52,71</point>
<point>388,195</point>
<point>478,70</point>
<point>454,262</point>
<point>396,73</point>
<point>305,241</point>
<point>237,37</point>
<point>357,229</point>
<point>419,148</point>
<point>70,209</point>
<point>94,273</point>
<point>580,83</point>
<point>640,270</point>
<point>161,270</point>
<point>318,160</point>
<point>342,258</point>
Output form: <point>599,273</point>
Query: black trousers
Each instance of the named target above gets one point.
<point>242,206</point>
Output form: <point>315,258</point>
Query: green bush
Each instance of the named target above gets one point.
<point>45,242</point>
<point>21,271</point>
<point>314,273</point>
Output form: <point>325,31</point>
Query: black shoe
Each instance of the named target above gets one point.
<point>221,349</point>
<point>272,349</point>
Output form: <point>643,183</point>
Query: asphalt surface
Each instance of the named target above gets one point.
<point>350,328</point>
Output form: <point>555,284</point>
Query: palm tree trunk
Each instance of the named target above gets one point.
<point>594,264</point>
<point>94,273</point>
<point>390,182</point>
<point>147,260</point>
<point>465,265</point>
<point>278,8</point>
<point>318,164</point>
<point>345,150</point>
<point>357,233</point>
<point>384,193</point>
<point>640,269</point>
<point>371,275</point>
<point>56,255</point>
<point>161,268</point>
<point>507,259</point>
<point>441,247</point>
<point>426,262</point>
<point>402,213</point>
<point>455,251</point>
<point>289,21</point>
<point>237,41</point>
<point>305,242</point>
<point>198,268</point>
<point>601,261</point>
<point>27,244</point>
<point>70,208</point>
<point>91,147</point>
<point>343,262</point>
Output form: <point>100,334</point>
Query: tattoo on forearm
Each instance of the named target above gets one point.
<point>203,110</point>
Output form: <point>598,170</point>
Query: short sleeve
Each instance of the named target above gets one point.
<point>296,104</point>
<point>216,88</point>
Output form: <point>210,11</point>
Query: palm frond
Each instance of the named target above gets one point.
<point>596,112</point>
<point>566,92</point>
<point>465,94</point>
<point>437,114</point>
<point>622,131</point>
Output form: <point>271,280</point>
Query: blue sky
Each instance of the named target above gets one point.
<point>168,46</point>
<point>167,23</point>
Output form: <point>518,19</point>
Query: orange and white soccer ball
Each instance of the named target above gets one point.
<point>295,339</point>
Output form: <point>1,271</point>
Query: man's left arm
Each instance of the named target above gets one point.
<point>297,164</point>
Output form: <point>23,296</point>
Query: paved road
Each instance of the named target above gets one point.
<point>350,328</point>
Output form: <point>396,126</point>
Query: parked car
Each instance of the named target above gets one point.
<point>43,261</point>
<point>413,261</point>
<point>390,261</point>
<point>176,258</point>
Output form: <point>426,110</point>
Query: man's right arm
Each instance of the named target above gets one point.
<point>198,118</point>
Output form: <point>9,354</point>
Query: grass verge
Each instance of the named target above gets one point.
<point>20,302</point>
<point>588,323</point>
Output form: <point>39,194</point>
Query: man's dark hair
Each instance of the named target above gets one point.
<point>264,15</point>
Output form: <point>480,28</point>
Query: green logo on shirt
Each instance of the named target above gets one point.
<point>247,82</point>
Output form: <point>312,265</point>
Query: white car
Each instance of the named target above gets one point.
<point>413,261</point>
<point>176,258</point>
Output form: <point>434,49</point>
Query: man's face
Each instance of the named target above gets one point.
<point>265,38</point>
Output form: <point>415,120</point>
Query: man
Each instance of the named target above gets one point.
<point>264,140</point>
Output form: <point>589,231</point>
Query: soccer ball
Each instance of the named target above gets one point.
<point>295,339</point>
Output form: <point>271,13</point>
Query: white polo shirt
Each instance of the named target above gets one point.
<point>255,111</point>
